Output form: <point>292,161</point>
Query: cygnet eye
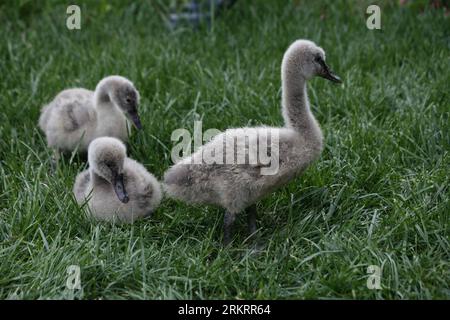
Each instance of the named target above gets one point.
<point>108,164</point>
<point>317,58</point>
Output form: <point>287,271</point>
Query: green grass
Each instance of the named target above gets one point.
<point>379,195</point>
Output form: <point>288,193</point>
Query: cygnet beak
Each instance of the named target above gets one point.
<point>134,117</point>
<point>119,188</point>
<point>327,73</point>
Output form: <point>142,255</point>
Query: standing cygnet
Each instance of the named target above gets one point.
<point>114,186</point>
<point>75,117</point>
<point>235,186</point>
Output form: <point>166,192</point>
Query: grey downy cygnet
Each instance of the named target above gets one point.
<point>116,187</point>
<point>77,116</point>
<point>236,187</point>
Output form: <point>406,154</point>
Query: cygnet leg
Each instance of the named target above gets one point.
<point>251,219</point>
<point>228,221</point>
<point>54,160</point>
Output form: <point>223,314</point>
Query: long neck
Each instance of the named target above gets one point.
<point>96,179</point>
<point>296,112</point>
<point>113,121</point>
<point>102,97</point>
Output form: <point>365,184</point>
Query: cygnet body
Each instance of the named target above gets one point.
<point>77,116</point>
<point>237,187</point>
<point>116,187</point>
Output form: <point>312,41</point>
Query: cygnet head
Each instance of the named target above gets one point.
<point>106,158</point>
<point>124,95</point>
<point>308,59</point>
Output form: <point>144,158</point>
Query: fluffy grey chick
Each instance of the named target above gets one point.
<point>77,116</point>
<point>116,187</point>
<point>237,187</point>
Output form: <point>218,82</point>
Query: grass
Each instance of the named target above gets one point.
<point>379,195</point>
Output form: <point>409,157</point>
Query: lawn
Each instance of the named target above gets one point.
<point>379,195</point>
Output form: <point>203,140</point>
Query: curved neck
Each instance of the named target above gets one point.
<point>296,112</point>
<point>102,97</point>
<point>113,120</point>
<point>97,179</point>
<point>103,102</point>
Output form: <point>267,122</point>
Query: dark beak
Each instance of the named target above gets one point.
<point>119,188</point>
<point>327,73</point>
<point>134,117</point>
